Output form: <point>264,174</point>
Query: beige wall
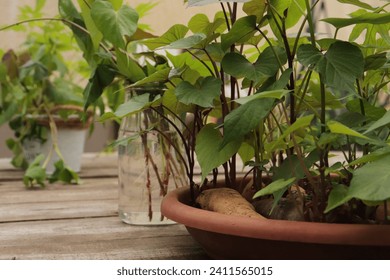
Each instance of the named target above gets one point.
<point>160,19</point>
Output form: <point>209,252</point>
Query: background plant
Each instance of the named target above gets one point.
<point>35,79</point>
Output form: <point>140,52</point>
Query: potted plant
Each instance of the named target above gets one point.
<point>246,89</point>
<point>43,104</point>
<point>286,104</point>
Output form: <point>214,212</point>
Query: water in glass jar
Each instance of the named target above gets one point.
<point>148,169</point>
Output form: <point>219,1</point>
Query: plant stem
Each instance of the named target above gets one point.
<point>257,178</point>
<point>323,152</point>
<point>226,17</point>
<point>147,182</point>
<point>175,147</point>
<point>192,141</point>
<point>213,63</point>
<point>54,138</point>
<point>183,139</point>
<point>233,14</point>
<point>305,85</point>
<point>323,103</point>
<point>362,111</point>
<point>272,47</point>
<point>298,36</point>
<point>291,86</point>
<point>204,63</point>
<point>311,23</point>
<point>224,103</point>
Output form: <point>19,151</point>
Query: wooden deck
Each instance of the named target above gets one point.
<point>80,221</point>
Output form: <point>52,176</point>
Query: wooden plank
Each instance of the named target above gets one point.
<point>99,165</point>
<point>94,198</point>
<point>58,210</point>
<point>95,238</point>
<point>89,189</point>
<point>11,175</point>
<point>9,172</point>
<point>102,160</point>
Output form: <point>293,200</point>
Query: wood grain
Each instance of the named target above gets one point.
<point>80,221</point>
<point>95,238</point>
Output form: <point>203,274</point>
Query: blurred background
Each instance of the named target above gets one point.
<point>160,18</point>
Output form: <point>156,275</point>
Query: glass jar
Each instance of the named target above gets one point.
<point>149,165</point>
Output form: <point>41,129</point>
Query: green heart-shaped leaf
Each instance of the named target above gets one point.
<point>208,150</point>
<point>95,35</point>
<point>338,196</point>
<point>245,118</point>
<point>200,24</point>
<point>242,30</point>
<point>134,105</point>
<point>385,120</point>
<point>176,32</point>
<point>113,24</point>
<point>67,10</point>
<point>117,4</point>
<point>192,41</point>
<point>358,4</point>
<point>371,18</point>
<point>129,67</point>
<point>373,113</point>
<point>156,77</point>
<point>301,122</point>
<point>288,10</point>
<point>342,64</point>
<point>369,183</point>
<point>336,127</point>
<point>255,8</point>
<point>375,61</point>
<point>309,55</point>
<point>201,94</point>
<point>266,65</point>
<point>101,78</point>
<point>274,187</point>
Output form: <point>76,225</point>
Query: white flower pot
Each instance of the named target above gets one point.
<point>70,143</point>
<point>70,138</point>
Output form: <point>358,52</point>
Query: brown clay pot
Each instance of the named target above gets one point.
<point>228,237</point>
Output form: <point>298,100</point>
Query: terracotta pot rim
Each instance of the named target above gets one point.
<point>174,208</point>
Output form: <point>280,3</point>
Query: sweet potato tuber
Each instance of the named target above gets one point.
<point>226,201</point>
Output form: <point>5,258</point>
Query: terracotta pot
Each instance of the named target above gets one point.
<point>228,237</point>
